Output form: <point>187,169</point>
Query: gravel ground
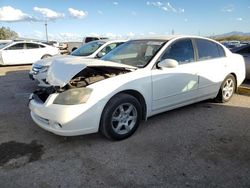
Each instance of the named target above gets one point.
<point>201,145</point>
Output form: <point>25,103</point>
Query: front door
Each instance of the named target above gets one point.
<point>174,86</point>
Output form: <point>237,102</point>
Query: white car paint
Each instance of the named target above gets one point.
<point>162,89</point>
<point>26,55</point>
<point>39,69</point>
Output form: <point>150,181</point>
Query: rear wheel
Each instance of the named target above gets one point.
<point>121,117</point>
<point>227,89</point>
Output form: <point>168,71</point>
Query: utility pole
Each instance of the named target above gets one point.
<point>47,39</point>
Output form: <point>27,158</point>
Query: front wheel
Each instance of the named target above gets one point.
<point>121,117</point>
<point>227,89</point>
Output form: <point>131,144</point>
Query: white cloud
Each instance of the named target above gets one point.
<point>48,13</point>
<point>239,19</point>
<point>115,3</point>
<point>10,14</point>
<point>151,33</point>
<point>79,14</point>
<point>228,8</point>
<point>165,6</point>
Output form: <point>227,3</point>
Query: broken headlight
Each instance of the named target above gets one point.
<point>73,96</point>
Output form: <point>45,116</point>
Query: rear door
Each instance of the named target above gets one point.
<point>33,52</point>
<point>212,66</point>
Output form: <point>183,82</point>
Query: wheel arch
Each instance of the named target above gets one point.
<point>141,100</point>
<point>235,77</point>
<point>138,96</point>
<point>73,49</point>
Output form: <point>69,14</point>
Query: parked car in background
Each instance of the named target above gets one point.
<point>245,52</point>
<point>89,39</point>
<point>52,43</point>
<point>94,49</point>
<point>22,52</point>
<point>3,42</point>
<point>137,80</point>
<point>68,47</point>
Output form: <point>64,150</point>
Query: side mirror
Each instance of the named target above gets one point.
<point>101,54</point>
<point>168,63</point>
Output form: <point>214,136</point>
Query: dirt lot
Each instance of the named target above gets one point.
<point>201,145</point>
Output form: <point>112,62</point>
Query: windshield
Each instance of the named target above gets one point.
<point>87,49</point>
<point>137,53</point>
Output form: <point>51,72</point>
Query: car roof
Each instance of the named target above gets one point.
<point>112,40</point>
<point>170,37</point>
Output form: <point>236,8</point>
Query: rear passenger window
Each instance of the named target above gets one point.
<point>208,50</point>
<point>31,46</point>
<point>221,51</point>
<point>181,51</point>
<point>19,46</point>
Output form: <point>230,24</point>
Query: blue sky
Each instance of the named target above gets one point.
<point>74,19</point>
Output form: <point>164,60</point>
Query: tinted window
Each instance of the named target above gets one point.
<point>221,51</point>
<point>31,45</point>
<point>19,46</point>
<point>181,51</point>
<point>207,49</point>
<point>89,39</point>
<point>87,49</point>
<point>110,47</point>
<point>41,46</point>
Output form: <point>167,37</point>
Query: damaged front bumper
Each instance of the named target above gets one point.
<point>64,120</point>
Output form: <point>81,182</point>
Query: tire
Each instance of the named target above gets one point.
<point>227,89</point>
<point>73,49</point>
<point>46,56</point>
<point>121,117</point>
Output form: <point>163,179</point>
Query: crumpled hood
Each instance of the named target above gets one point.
<point>47,61</point>
<point>63,70</point>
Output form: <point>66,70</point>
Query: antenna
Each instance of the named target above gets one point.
<point>47,39</point>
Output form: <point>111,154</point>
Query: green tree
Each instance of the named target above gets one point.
<point>7,33</point>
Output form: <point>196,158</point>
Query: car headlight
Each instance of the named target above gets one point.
<point>44,69</point>
<point>39,68</point>
<point>73,96</point>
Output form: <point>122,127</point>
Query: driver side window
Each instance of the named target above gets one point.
<point>181,51</point>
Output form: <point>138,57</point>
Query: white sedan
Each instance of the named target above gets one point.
<point>22,52</point>
<point>94,49</point>
<point>137,80</point>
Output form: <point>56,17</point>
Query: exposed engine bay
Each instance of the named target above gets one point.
<point>90,75</point>
<point>86,77</point>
